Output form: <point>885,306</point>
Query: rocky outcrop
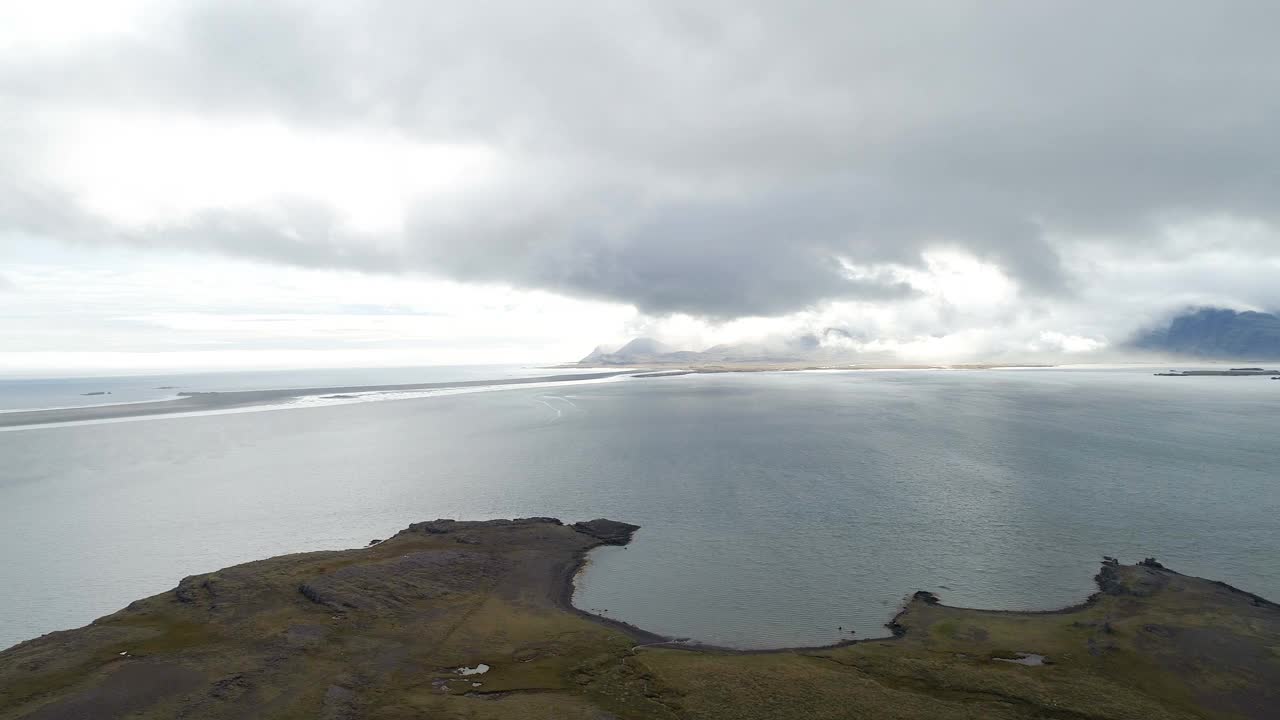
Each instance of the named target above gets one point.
<point>609,532</point>
<point>444,525</point>
<point>1141,580</point>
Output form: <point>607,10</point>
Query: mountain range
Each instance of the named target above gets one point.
<point>1216,333</point>
<point>1201,332</point>
<point>647,351</point>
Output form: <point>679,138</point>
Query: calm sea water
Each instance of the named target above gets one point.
<point>775,507</point>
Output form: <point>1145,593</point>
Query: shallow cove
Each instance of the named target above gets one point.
<point>995,490</point>
<point>777,509</point>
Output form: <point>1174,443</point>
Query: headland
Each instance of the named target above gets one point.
<point>474,620</point>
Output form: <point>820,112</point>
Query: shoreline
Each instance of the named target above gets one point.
<point>197,402</point>
<point>445,614</point>
<point>562,598</point>
<point>60,408</point>
<point>202,402</point>
<point>564,587</point>
<point>206,402</point>
<point>657,369</point>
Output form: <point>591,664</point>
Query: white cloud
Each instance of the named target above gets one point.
<point>990,180</point>
<point>146,168</point>
<point>65,26</point>
<point>78,309</point>
<point>1056,342</point>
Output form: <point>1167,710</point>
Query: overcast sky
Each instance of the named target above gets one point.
<point>222,184</point>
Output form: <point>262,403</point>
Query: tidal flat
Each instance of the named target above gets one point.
<point>221,401</point>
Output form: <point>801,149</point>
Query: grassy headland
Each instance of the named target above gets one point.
<point>383,632</point>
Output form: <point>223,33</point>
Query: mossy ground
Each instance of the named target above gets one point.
<point>378,633</point>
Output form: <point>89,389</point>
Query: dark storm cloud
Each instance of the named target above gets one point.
<point>733,158</point>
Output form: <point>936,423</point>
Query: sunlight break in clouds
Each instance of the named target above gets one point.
<point>177,166</point>
<point>951,182</point>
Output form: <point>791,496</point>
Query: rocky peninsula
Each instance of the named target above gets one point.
<point>455,619</point>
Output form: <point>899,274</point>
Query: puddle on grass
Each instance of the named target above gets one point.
<point>1024,658</point>
<point>479,669</point>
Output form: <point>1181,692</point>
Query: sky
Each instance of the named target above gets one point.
<point>233,184</point>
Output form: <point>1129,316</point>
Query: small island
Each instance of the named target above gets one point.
<point>1231,372</point>
<point>451,619</point>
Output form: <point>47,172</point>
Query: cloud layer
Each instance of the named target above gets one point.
<point>744,159</point>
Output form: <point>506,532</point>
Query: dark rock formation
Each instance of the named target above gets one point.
<point>1143,580</point>
<point>609,532</point>
<point>445,525</point>
<point>925,597</point>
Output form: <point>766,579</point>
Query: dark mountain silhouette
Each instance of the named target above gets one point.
<point>1216,333</point>
<point>647,351</point>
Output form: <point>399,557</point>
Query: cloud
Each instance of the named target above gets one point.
<point>108,307</point>
<point>721,161</point>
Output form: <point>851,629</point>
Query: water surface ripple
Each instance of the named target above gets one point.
<point>775,507</point>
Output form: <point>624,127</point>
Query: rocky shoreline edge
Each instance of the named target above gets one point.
<point>447,614</point>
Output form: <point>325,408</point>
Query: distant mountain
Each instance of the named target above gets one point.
<point>647,351</point>
<point>641,351</point>
<point>643,347</point>
<point>1217,333</point>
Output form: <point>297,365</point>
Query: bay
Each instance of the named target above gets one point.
<point>777,509</point>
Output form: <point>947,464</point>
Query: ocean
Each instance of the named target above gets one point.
<point>777,509</point>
